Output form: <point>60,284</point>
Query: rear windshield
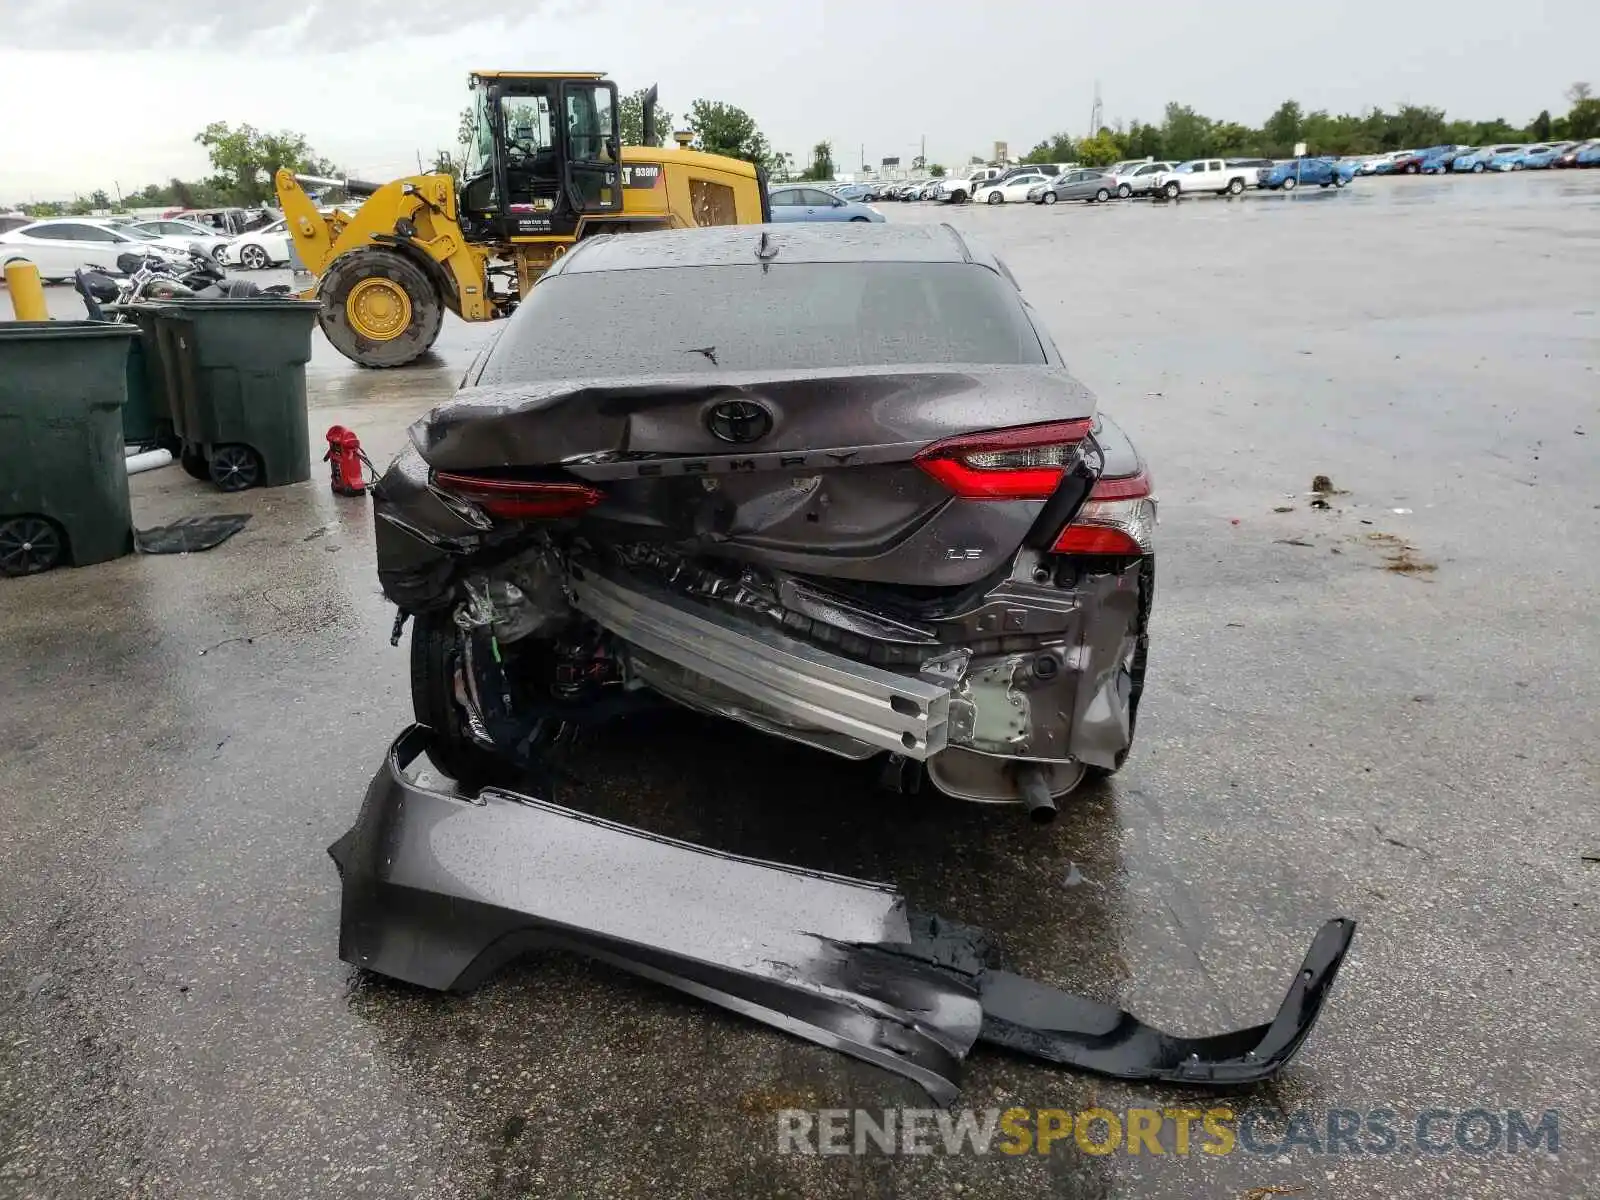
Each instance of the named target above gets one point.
<point>680,320</point>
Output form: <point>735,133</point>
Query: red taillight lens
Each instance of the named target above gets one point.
<point>1025,463</point>
<point>1118,518</point>
<point>521,500</point>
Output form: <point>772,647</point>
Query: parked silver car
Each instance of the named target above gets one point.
<point>1095,187</point>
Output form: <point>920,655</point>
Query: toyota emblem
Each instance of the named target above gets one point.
<point>739,421</point>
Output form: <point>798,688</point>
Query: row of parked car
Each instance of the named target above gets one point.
<point>1507,156</point>
<point>58,246</point>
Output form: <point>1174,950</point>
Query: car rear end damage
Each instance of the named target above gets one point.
<point>441,890</point>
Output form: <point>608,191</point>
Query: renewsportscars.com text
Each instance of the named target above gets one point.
<point>1215,1131</point>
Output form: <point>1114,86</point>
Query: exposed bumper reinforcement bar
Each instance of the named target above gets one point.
<point>811,687</point>
<point>440,890</point>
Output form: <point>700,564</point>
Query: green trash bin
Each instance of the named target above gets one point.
<point>63,481</point>
<point>236,371</point>
<point>147,416</point>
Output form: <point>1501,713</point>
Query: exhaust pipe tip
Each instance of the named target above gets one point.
<point>1035,793</point>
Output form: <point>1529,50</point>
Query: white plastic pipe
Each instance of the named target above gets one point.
<point>149,460</point>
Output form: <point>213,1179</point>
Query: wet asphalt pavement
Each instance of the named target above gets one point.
<point>1387,710</point>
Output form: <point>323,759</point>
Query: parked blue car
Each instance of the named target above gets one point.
<point>1439,162</point>
<point>1478,161</point>
<point>1589,157</point>
<point>1542,158</point>
<point>814,204</point>
<point>1305,172</point>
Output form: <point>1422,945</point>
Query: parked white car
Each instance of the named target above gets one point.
<point>1138,179</point>
<point>258,249</point>
<point>60,245</point>
<point>1204,175</point>
<point>180,235</point>
<point>1014,189</point>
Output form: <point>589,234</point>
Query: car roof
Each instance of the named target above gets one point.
<point>736,245</point>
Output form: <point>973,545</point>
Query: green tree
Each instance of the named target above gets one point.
<point>1584,119</point>
<point>936,171</point>
<point>1282,130</point>
<point>821,169</point>
<point>1101,150</point>
<point>721,128</point>
<point>98,199</point>
<point>1185,134</point>
<point>246,159</point>
<point>630,111</point>
<point>1057,148</point>
<point>1539,131</point>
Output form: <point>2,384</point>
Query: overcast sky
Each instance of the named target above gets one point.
<point>97,93</point>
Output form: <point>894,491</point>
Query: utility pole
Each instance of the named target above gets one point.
<point>1096,113</point>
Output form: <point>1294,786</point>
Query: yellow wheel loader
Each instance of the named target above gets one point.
<point>546,168</point>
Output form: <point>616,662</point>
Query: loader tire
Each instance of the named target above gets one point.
<point>379,309</point>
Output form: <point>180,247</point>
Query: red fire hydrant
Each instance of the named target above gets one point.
<point>346,458</point>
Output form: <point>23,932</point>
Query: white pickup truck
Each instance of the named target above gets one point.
<point>959,191</point>
<point>1203,175</point>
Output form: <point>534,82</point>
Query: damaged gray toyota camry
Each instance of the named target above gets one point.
<point>837,486</point>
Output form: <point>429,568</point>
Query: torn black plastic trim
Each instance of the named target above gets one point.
<point>441,890</point>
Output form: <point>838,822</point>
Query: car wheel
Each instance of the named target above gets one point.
<point>30,546</point>
<point>1124,191</point>
<point>1136,665</point>
<point>853,220</point>
<point>1171,191</point>
<point>435,659</point>
<point>1102,196</point>
<point>252,257</point>
<point>1049,198</point>
<point>1290,183</point>
<point>1339,181</point>
<point>1412,169</point>
<point>1235,186</point>
<point>1516,166</point>
<point>1477,168</point>
<point>996,198</point>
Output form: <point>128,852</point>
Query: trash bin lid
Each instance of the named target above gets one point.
<point>23,331</point>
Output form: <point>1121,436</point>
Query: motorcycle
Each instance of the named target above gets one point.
<point>148,277</point>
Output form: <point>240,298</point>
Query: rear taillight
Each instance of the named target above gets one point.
<point>1026,463</point>
<point>519,499</point>
<point>1118,518</point>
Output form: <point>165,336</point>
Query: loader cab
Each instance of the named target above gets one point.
<point>544,154</point>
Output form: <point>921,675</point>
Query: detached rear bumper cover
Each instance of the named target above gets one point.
<point>440,891</point>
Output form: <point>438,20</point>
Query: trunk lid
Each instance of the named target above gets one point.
<point>805,470</point>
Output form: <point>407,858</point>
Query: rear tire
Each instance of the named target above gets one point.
<point>1171,191</point>
<point>1102,196</point>
<point>435,656</point>
<point>1290,183</point>
<point>1124,192</point>
<point>1136,668</point>
<point>1049,198</point>
<point>1235,186</point>
<point>1477,168</point>
<point>996,198</point>
<point>253,258</point>
<point>391,292</point>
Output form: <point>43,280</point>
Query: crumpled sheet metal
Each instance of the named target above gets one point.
<point>441,890</point>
